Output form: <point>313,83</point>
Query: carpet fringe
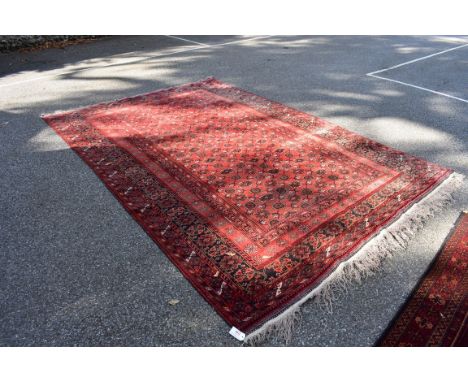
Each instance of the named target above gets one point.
<point>363,263</point>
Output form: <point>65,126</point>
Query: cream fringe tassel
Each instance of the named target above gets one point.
<point>364,262</point>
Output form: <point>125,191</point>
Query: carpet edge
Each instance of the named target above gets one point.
<point>391,239</point>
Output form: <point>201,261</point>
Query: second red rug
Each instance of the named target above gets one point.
<point>259,205</point>
<point>436,314</point>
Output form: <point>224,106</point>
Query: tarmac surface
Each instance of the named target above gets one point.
<point>77,270</point>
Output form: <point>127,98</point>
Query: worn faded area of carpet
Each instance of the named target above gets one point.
<point>256,203</point>
<point>436,313</point>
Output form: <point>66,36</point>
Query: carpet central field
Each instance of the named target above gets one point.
<point>256,203</point>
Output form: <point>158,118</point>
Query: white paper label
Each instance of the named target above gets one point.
<point>237,334</point>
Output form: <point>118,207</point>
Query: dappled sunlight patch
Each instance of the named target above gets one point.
<point>47,140</point>
<point>388,92</point>
<point>349,95</point>
<point>410,136</point>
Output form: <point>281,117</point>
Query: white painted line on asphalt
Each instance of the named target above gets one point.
<point>244,40</point>
<point>201,46</point>
<point>221,44</point>
<point>373,74</point>
<point>418,87</point>
<point>186,40</point>
<point>418,59</point>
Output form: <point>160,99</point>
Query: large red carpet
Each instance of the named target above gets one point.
<point>436,313</point>
<point>256,203</point>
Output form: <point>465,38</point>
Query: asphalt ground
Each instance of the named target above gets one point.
<point>77,270</point>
